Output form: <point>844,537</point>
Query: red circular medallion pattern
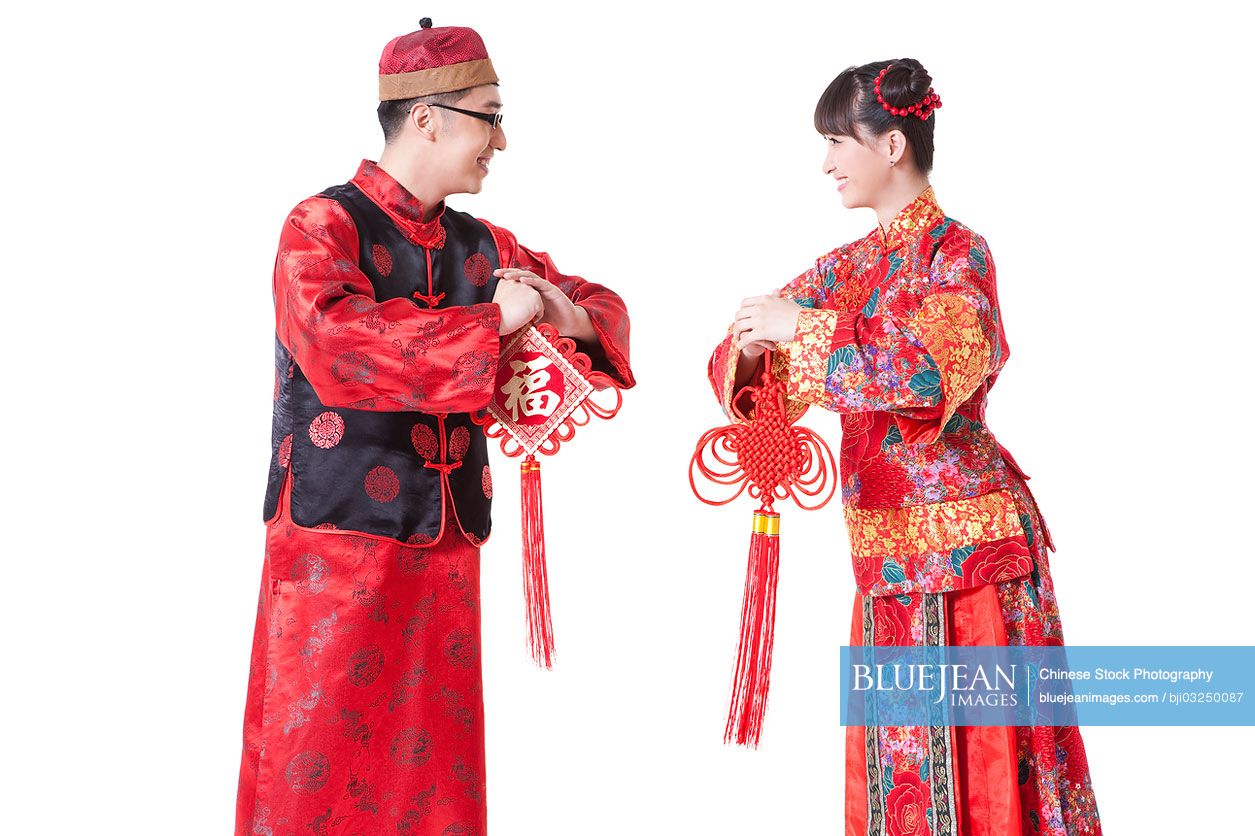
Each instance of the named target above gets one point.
<point>326,430</point>
<point>478,270</point>
<point>424,441</point>
<point>382,484</point>
<point>382,258</point>
<point>459,443</point>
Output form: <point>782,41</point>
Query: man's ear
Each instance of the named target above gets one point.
<point>424,119</point>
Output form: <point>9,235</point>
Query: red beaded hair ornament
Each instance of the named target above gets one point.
<point>923,108</point>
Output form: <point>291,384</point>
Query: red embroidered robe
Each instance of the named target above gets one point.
<point>364,710</point>
<point>901,336</point>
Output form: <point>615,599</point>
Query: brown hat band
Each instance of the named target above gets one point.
<point>436,80</point>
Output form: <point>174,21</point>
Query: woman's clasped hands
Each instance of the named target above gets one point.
<point>762,322</point>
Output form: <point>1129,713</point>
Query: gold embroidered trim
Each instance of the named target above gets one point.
<point>729,374</point>
<point>807,354</point>
<point>781,365</point>
<point>936,527</point>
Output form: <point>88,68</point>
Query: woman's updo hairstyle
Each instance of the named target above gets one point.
<point>849,106</point>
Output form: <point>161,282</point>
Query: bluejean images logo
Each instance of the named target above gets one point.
<point>1047,686</point>
<point>959,684</point>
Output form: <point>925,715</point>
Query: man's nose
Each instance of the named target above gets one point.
<point>498,139</point>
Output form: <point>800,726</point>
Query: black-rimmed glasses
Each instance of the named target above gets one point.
<point>493,119</point>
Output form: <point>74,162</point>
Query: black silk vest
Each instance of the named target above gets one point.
<point>382,476</point>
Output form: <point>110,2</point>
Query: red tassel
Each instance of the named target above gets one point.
<point>758,630</point>
<point>535,577</point>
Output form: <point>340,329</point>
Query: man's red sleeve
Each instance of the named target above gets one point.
<point>606,310</point>
<point>361,353</point>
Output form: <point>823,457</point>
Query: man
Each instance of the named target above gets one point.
<point>364,711</point>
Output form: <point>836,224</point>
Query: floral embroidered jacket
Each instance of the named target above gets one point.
<point>386,339</point>
<point>901,335</point>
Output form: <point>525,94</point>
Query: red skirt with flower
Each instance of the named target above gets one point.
<point>364,711</point>
<point>969,780</point>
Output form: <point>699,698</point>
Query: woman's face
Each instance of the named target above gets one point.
<point>860,172</point>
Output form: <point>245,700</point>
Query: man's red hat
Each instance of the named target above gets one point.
<point>433,60</point>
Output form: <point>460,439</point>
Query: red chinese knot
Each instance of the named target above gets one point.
<point>776,460</point>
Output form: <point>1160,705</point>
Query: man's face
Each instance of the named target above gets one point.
<point>465,145</point>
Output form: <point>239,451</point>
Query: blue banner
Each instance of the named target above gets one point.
<point>1048,686</point>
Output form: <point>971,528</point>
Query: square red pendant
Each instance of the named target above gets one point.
<point>536,389</point>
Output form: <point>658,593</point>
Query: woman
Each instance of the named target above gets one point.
<point>899,333</point>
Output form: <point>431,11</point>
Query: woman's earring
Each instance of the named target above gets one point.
<point>891,162</point>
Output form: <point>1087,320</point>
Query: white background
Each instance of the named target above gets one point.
<point>665,150</point>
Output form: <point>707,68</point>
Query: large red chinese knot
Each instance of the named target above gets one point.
<point>775,460</point>
<point>542,394</point>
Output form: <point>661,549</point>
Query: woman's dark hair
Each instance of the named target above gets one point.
<point>849,106</point>
<point>392,113</point>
